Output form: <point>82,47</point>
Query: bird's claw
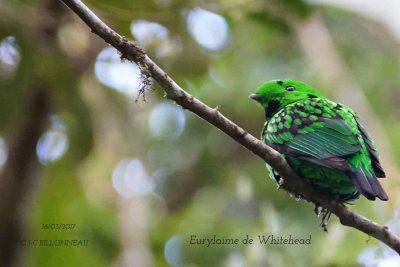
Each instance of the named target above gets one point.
<point>326,214</point>
<point>279,183</point>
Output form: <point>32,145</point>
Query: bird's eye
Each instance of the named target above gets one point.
<point>290,88</point>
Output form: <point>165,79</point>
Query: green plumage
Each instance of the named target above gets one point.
<point>321,140</point>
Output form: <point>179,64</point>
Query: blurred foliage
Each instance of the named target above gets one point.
<point>197,180</point>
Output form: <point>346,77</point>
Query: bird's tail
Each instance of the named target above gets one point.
<point>367,184</point>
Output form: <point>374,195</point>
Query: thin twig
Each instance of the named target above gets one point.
<point>291,182</point>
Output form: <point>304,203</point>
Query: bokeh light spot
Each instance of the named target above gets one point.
<point>73,39</point>
<point>147,32</point>
<point>3,152</point>
<point>167,121</point>
<point>118,75</point>
<point>210,30</point>
<point>54,143</point>
<point>173,251</point>
<point>130,178</point>
<point>152,35</point>
<point>9,56</point>
<point>235,259</point>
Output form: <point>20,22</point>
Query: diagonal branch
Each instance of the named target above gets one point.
<point>291,182</point>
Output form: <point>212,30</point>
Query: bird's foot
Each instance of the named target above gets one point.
<point>326,214</point>
<point>279,182</point>
<point>317,210</point>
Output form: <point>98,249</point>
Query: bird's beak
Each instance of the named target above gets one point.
<point>256,97</point>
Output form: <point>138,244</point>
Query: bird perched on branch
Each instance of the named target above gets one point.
<point>321,140</point>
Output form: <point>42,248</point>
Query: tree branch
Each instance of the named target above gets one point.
<point>17,175</point>
<point>291,181</point>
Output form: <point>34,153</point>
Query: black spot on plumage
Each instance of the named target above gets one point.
<point>299,108</point>
<point>296,116</point>
<point>312,96</point>
<point>280,82</point>
<point>294,129</point>
<point>306,121</point>
<point>273,106</point>
<point>337,116</point>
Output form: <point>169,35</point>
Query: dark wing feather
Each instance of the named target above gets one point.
<point>367,185</point>
<point>373,152</point>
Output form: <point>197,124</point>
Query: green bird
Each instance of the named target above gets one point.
<point>322,141</point>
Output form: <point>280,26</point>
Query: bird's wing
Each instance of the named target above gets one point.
<point>323,142</point>
<point>373,152</point>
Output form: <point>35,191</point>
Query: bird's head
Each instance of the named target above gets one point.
<point>276,94</point>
